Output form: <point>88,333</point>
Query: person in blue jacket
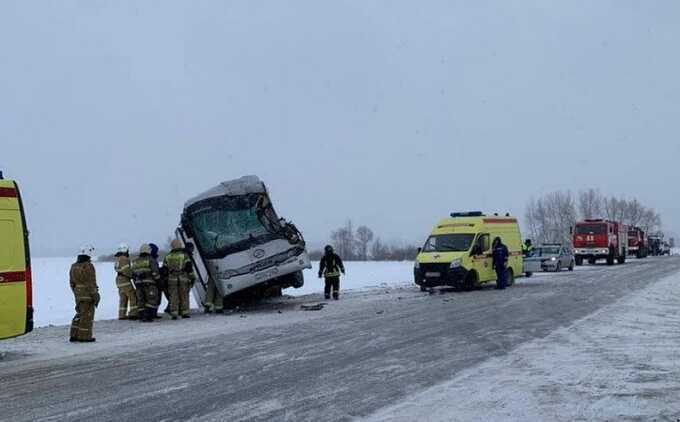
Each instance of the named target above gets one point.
<point>500,262</point>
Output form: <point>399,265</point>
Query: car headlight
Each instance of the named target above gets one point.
<point>553,259</point>
<point>456,263</point>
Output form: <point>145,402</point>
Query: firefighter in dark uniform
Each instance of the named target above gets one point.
<point>527,248</point>
<point>500,262</point>
<point>330,268</point>
<point>145,270</point>
<point>161,283</point>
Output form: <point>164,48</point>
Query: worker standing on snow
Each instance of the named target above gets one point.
<point>500,262</point>
<point>527,248</point>
<point>145,271</point>
<point>83,281</point>
<point>180,279</point>
<point>330,268</point>
<point>126,290</point>
<point>161,283</point>
<point>214,302</point>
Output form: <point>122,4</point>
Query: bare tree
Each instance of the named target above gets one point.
<point>550,218</point>
<point>343,239</point>
<point>650,221</point>
<point>379,251</point>
<point>590,204</point>
<point>364,236</point>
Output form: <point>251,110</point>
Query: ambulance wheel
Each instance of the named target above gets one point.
<point>511,277</point>
<point>423,288</point>
<point>470,281</point>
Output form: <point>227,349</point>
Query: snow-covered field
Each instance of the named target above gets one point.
<point>54,304</point>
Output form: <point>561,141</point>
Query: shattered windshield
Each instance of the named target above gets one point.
<point>231,224</point>
<point>449,243</point>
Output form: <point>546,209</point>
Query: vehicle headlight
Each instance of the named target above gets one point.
<point>553,259</point>
<point>456,263</point>
<point>416,265</point>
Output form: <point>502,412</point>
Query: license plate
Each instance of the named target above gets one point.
<point>433,274</point>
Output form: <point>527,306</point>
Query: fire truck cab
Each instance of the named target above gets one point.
<point>638,245</point>
<point>600,239</point>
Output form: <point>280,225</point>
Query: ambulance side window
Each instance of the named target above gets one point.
<point>483,244</point>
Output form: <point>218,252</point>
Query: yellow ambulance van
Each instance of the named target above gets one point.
<point>16,296</point>
<point>458,252</point>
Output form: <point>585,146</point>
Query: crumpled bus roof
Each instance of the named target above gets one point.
<point>241,186</point>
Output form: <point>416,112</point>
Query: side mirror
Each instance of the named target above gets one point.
<point>420,250</point>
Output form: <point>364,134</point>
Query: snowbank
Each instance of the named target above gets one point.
<point>622,362</point>
<point>54,304</point>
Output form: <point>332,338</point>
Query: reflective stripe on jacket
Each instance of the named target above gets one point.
<point>145,269</point>
<point>83,281</point>
<point>123,271</point>
<point>179,265</point>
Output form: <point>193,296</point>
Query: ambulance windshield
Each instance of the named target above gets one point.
<point>449,243</point>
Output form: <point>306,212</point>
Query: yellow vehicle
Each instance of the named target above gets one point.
<point>16,296</point>
<point>458,252</point>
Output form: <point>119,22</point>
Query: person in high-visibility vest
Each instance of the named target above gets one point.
<point>330,268</point>
<point>527,248</point>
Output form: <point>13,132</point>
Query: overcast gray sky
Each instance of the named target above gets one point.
<point>393,113</point>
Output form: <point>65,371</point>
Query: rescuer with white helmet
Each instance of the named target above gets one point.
<point>83,281</point>
<point>126,290</point>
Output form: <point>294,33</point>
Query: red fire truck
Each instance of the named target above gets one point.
<point>600,239</point>
<point>638,245</point>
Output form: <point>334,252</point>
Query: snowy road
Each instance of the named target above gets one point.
<point>394,354</point>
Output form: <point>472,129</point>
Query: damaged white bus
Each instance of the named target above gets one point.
<point>241,243</point>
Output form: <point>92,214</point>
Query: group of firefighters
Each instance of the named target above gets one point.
<point>142,282</point>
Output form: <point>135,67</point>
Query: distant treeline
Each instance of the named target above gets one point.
<point>549,218</point>
<point>360,244</point>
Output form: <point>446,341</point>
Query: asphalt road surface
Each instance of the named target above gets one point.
<point>371,350</point>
